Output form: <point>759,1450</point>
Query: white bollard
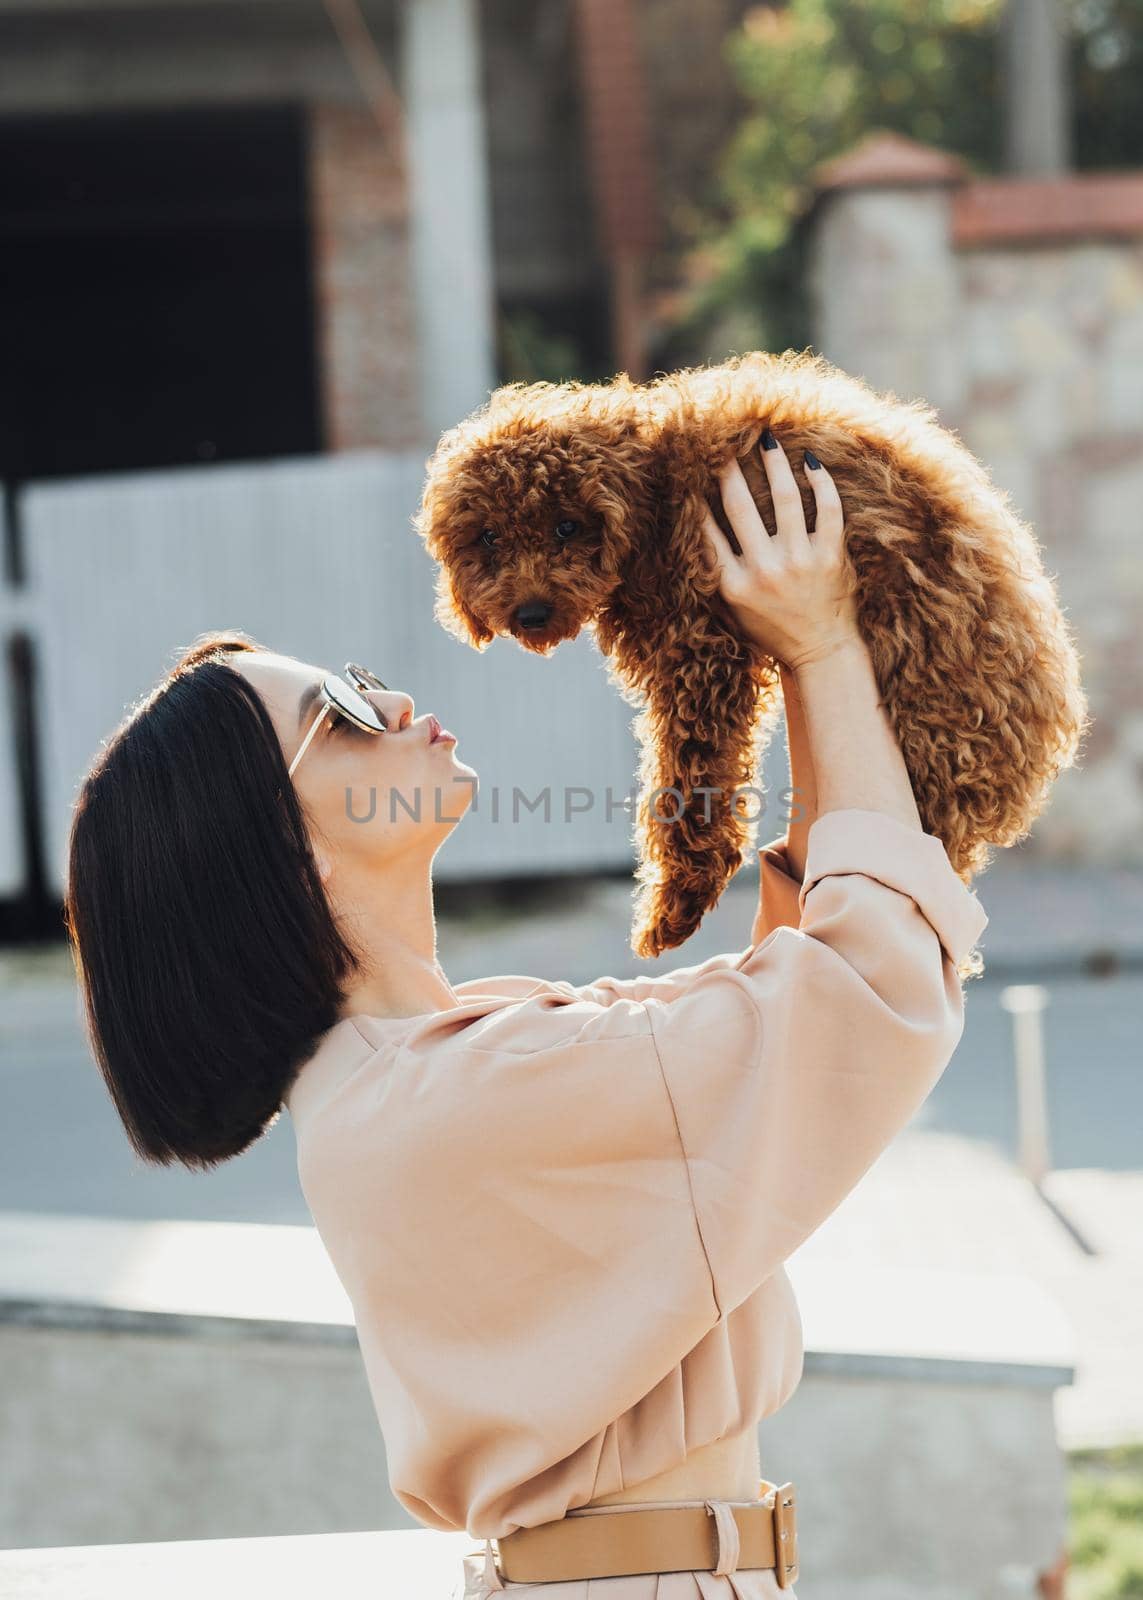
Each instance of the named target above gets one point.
<point>1026,1002</point>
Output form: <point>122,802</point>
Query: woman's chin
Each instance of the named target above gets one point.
<point>460,766</point>
<point>457,786</point>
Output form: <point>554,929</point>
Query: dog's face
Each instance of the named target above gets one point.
<point>530,524</point>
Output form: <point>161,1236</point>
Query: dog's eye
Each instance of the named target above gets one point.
<point>567,529</point>
<point>488,536</point>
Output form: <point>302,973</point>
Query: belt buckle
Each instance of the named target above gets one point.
<point>785,1535</point>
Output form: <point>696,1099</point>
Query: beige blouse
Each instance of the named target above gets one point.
<point>560,1213</point>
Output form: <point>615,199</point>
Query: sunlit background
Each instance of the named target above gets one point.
<point>256,255</point>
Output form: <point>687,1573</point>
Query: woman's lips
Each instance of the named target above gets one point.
<point>437,732</point>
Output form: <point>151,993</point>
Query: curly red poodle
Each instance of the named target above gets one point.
<point>559,507</point>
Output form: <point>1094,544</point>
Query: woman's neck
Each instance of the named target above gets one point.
<point>392,923</point>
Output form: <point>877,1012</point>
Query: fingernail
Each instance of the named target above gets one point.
<point>812,460</point>
<point>768,440</point>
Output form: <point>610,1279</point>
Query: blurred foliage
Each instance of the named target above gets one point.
<point>1107,68</point>
<point>818,75</point>
<point>529,351</point>
<point>1105,1495</point>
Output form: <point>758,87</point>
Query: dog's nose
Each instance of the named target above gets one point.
<point>533,613</point>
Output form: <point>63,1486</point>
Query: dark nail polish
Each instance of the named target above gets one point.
<point>812,460</point>
<point>768,440</point>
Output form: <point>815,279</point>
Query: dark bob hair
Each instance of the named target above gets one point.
<point>207,954</point>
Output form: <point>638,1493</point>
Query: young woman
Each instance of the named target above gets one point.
<point>561,1213</point>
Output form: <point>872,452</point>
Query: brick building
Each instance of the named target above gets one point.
<point>215,249</point>
<point>242,300</point>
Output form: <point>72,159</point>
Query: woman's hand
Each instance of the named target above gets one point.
<point>790,592</point>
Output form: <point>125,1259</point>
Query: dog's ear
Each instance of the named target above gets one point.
<point>618,467</point>
<point>456,616</point>
<point>432,523</point>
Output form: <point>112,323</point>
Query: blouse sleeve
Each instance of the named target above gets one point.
<point>793,1068</point>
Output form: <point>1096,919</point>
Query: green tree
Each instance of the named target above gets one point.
<point>815,77</point>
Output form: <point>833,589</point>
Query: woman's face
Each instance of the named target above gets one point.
<point>372,796</point>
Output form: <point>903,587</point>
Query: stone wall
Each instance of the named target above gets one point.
<point>1015,307</point>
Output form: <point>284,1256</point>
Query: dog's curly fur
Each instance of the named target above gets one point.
<point>972,654</point>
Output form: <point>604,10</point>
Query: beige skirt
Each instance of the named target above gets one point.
<point>481,1581</point>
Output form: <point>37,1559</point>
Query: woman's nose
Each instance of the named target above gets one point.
<point>396,708</point>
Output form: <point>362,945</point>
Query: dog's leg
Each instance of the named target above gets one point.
<point>711,704</point>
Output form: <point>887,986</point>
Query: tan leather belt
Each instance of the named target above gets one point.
<point>619,1542</point>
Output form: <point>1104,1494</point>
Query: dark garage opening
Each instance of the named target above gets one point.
<point>157,307</point>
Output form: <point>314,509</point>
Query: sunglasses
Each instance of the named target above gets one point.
<point>341,699</point>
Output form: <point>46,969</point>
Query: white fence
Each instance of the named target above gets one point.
<point>316,557</point>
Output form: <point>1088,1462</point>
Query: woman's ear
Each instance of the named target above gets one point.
<point>324,865</point>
